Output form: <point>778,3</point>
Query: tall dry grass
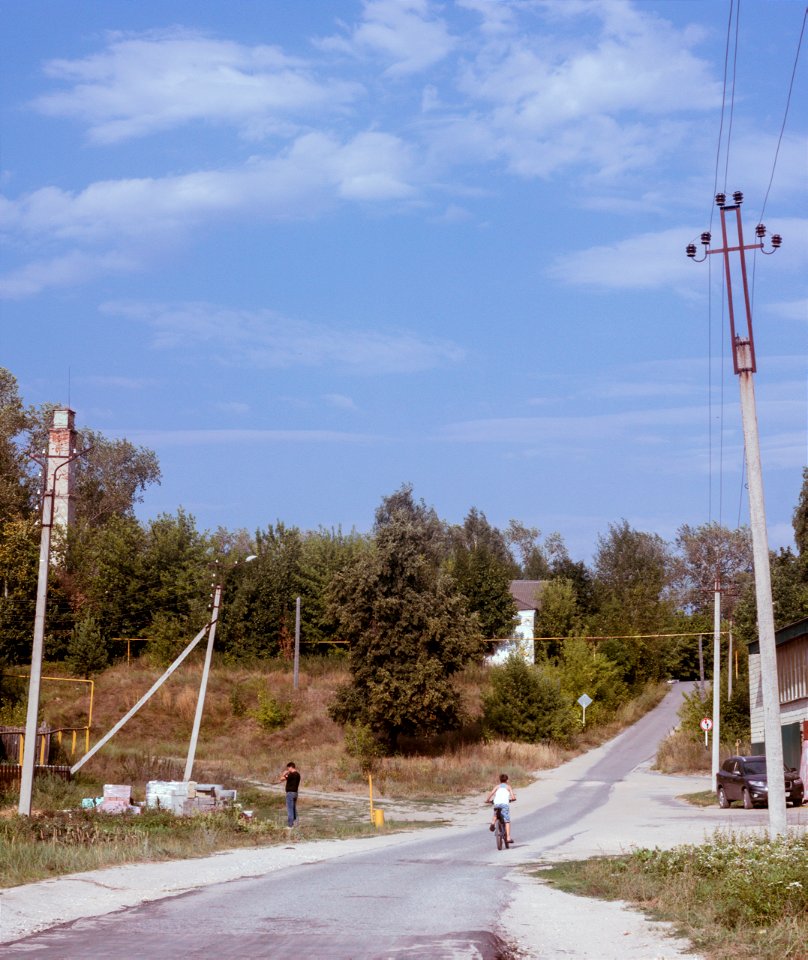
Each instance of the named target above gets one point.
<point>233,746</point>
<point>681,753</point>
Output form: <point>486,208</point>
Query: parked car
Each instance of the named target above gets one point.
<point>744,778</point>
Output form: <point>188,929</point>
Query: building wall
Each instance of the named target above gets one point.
<point>792,673</point>
<point>522,641</point>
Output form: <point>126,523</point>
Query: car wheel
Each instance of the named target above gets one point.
<point>723,800</point>
<point>747,799</point>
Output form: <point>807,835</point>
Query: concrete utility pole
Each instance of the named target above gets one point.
<point>58,458</point>
<point>716,679</point>
<point>297,644</point>
<point>203,686</point>
<point>729,664</point>
<point>743,358</point>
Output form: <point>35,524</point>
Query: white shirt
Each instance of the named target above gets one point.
<point>502,795</point>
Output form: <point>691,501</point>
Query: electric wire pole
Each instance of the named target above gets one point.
<point>743,358</point>
<point>37,650</point>
<point>716,731</point>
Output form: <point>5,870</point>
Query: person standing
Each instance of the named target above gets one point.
<point>291,775</point>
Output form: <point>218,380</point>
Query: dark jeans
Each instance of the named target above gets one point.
<point>291,807</point>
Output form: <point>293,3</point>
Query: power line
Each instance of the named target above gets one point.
<point>785,114</point>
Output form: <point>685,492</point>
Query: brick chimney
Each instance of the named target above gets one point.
<point>61,444</point>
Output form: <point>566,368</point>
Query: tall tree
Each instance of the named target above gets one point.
<point>175,571</point>
<point>260,618</point>
<point>526,543</point>
<point>559,614</point>
<point>110,479</point>
<point>409,628</point>
<point>16,484</point>
<point>800,517</point>
<point>631,587</point>
<point>105,569</point>
<point>707,552</point>
<point>19,556</point>
<point>482,567</point>
<point>789,573</point>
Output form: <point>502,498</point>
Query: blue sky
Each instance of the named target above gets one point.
<point>308,252</point>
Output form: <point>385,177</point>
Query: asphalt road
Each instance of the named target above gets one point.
<point>440,894</point>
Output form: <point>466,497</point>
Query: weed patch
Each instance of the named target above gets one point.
<point>736,897</point>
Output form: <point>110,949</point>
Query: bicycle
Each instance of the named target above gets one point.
<point>500,830</point>
<point>500,833</point>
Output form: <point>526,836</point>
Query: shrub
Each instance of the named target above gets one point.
<point>87,652</point>
<point>361,744</point>
<point>526,704</point>
<point>271,714</point>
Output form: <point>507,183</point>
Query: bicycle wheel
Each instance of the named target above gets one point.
<point>499,833</point>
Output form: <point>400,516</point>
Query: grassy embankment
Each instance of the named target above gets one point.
<point>734,898</point>
<point>235,750</point>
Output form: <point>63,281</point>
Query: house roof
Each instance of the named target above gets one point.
<point>784,635</point>
<point>526,593</point>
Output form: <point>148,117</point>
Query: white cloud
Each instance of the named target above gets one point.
<point>141,84</point>
<point>642,262</point>
<point>262,339</point>
<point>401,31</point>
<point>66,270</point>
<point>598,100</point>
<point>134,219</point>
<point>340,402</point>
<point>652,260</point>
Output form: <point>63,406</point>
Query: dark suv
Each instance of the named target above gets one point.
<point>744,778</point>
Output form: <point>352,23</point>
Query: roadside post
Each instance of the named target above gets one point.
<point>706,725</point>
<point>584,700</point>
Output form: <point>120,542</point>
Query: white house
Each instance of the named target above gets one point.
<point>527,594</point>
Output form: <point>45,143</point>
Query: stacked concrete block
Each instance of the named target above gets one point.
<point>170,794</point>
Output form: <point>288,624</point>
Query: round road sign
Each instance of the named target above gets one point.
<point>706,724</point>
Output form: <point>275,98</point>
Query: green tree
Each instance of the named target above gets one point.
<point>110,479</point>
<point>632,577</point>
<point>260,619</point>
<point>19,557</point>
<point>105,565</point>
<point>16,484</point>
<point>526,543</point>
<point>789,575</point>
<point>578,574</point>
<point>482,568</point>
<point>707,552</point>
<point>526,704</point>
<point>559,614</point>
<point>408,626</point>
<point>325,554</point>
<point>583,670</point>
<point>87,653</point>
<point>175,572</point>
<point>800,517</point>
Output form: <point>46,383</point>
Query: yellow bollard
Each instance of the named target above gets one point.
<point>378,818</point>
<point>73,745</point>
<point>21,743</point>
<point>42,751</point>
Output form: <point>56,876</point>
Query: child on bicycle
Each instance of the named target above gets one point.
<point>502,796</point>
